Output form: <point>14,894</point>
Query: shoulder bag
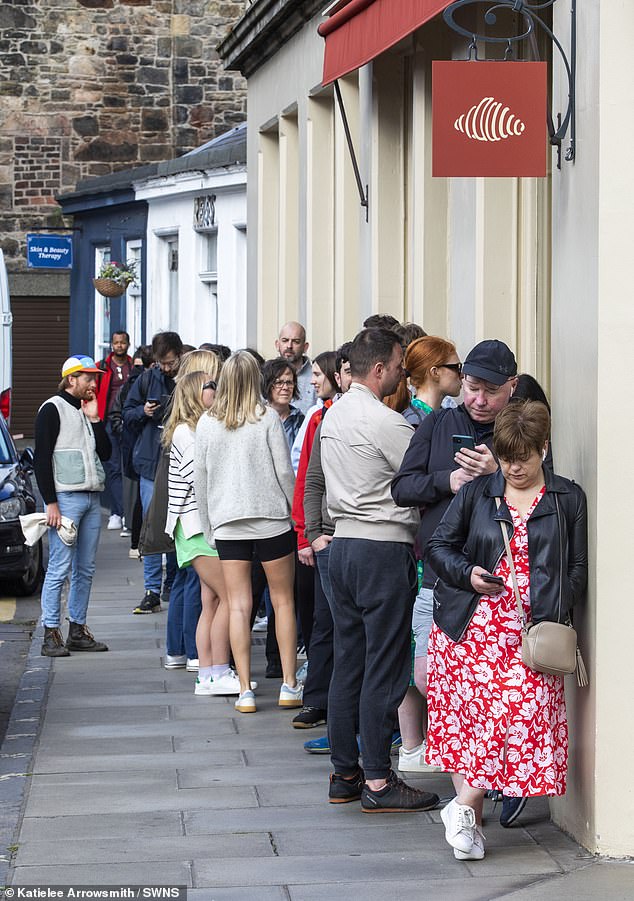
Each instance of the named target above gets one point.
<point>546,647</point>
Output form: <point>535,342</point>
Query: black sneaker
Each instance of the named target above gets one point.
<point>309,717</point>
<point>53,644</point>
<point>151,603</point>
<point>342,790</point>
<point>397,797</point>
<point>80,638</point>
<point>273,670</point>
<point>511,809</point>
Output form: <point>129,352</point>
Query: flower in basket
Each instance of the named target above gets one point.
<point>122,273</point>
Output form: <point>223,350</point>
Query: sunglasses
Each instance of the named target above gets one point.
<point>211,385</point>
<point>457,367</point>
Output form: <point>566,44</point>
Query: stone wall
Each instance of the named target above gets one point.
<point>91,86</point>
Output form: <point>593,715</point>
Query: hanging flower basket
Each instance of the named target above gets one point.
<point>108,287</point>
<point>114,279</point>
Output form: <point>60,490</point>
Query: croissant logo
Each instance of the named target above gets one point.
<point>489,120</point>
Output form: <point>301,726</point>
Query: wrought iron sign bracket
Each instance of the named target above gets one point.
<point>363,193</point>
<point>531,15</point>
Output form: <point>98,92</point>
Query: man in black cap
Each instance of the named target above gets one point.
<point>432,472</point>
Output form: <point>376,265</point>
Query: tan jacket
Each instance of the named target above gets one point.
<point>363,443</point>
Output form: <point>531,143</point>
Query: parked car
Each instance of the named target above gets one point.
<point>21,567</point>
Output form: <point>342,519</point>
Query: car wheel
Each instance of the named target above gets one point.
<point>30,581</point>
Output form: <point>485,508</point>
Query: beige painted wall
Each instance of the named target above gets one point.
<point>593,333</point>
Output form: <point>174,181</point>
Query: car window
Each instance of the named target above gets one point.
<point>6,448</point>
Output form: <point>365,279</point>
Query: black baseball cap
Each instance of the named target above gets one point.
<point>492,361</point>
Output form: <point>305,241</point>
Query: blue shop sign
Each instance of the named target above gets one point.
<point>49,251</point>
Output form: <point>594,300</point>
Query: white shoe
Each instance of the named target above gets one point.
<point>261,624</point>
<point>175,661</point>
<point>192,665</point>
<point>203,687</point>
<point>115,523</point>
<point>246,703</point>
<point>134,553</point>
<point>459,820</point>
<point>477,848</point>
<point>228,684</point>
<point>291,697</point>
<point>302,673</point>
<point>414,761</point>
<point>125,532</point>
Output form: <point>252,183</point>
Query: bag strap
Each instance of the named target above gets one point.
<point>509,557</point>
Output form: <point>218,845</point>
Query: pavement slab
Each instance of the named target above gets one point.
<point>116,773</point>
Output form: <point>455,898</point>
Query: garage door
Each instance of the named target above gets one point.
<point>40,346</point>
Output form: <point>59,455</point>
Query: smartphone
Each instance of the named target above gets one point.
<point>494,580</point>
<point>459,442</point>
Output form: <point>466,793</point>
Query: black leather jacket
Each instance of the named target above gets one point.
<point>469,535</point>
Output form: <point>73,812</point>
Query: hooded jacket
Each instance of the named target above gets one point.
<point>469,535</point>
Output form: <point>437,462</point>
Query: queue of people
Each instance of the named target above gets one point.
<point>403,537</point>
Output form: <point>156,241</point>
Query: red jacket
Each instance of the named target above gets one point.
<point>103,384</point>
<point>299,517</point>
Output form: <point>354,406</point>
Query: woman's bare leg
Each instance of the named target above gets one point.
<point>212,634</point>
<point>472,797</point>
<point>410,718</point>
<point>279,575</point>
<point>237,576</point>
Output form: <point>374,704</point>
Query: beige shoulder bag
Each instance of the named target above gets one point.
<point>546,647</point>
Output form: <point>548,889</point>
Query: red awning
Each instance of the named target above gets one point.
<point>362,29</point>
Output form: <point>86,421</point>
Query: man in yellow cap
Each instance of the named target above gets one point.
<point>70,446</point>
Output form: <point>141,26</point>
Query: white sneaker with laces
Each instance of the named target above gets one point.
<point>459,820</point>
<point>291,697</point>
<point>192,665</point>
<point>228,684</point>
<point>414,761</point>
<point>203,687</point>
<point>114,523</point>
<point>246,703</point>
<point>477,848</point>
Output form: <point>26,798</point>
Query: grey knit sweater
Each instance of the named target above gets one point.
<point>243,473</point>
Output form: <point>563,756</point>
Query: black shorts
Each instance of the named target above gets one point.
<point>266,548</point>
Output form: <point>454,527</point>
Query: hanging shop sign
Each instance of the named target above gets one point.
<point>49,251</point>
<point>489,118</point>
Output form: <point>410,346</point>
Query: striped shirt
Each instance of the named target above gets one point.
<point>181,500</point>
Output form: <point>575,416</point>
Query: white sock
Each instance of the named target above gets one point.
<point>205,672</point>
<point>219,670</point>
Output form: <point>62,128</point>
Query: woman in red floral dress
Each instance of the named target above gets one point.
<point>493,722</point>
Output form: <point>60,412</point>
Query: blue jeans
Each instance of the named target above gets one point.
<point>153,563</point>
<point>114,478</point>
<point>84,508</point>
<point>183,613</point>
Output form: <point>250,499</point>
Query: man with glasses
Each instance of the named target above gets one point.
<point>144,410</point>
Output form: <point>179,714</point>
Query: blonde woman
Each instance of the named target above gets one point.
<point>244,484</point>
<point>193,395</point>
<point>200,361</point>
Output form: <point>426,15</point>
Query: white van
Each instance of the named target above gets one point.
<point>6,321</point>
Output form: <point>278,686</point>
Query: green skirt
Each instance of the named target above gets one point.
<point>187,549</point>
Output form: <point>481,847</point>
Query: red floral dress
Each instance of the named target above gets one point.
<point>499,723</point>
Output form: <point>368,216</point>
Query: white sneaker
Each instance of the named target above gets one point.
<point>291,697</point>
<point>125,532</point>
<point>246,703</point>
<point>175,661</point>
<point>477,848</point>
<point>261,624</point>
<point>115,523</point>
<point>204,686</point>
<point>302,673</point>
<point>134,553</point>
<point>414,761</point>
<point>192,665</point>
<point>228,684</point>
<point>459,820</point>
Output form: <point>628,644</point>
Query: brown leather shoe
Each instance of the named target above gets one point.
<point>80,638</point>
<point>53,644</point>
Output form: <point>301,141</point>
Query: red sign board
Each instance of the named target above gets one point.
<point>489,118</point>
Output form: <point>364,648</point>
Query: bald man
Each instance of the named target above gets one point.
<point>292,346</point>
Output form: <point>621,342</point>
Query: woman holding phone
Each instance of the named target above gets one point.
<point>494,723</point>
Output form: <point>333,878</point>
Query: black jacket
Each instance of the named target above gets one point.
<point>423,479</point>
<point>470,535</point>
<point>152,384</point>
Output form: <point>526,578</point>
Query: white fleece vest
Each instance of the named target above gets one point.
<point>76,466</point>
